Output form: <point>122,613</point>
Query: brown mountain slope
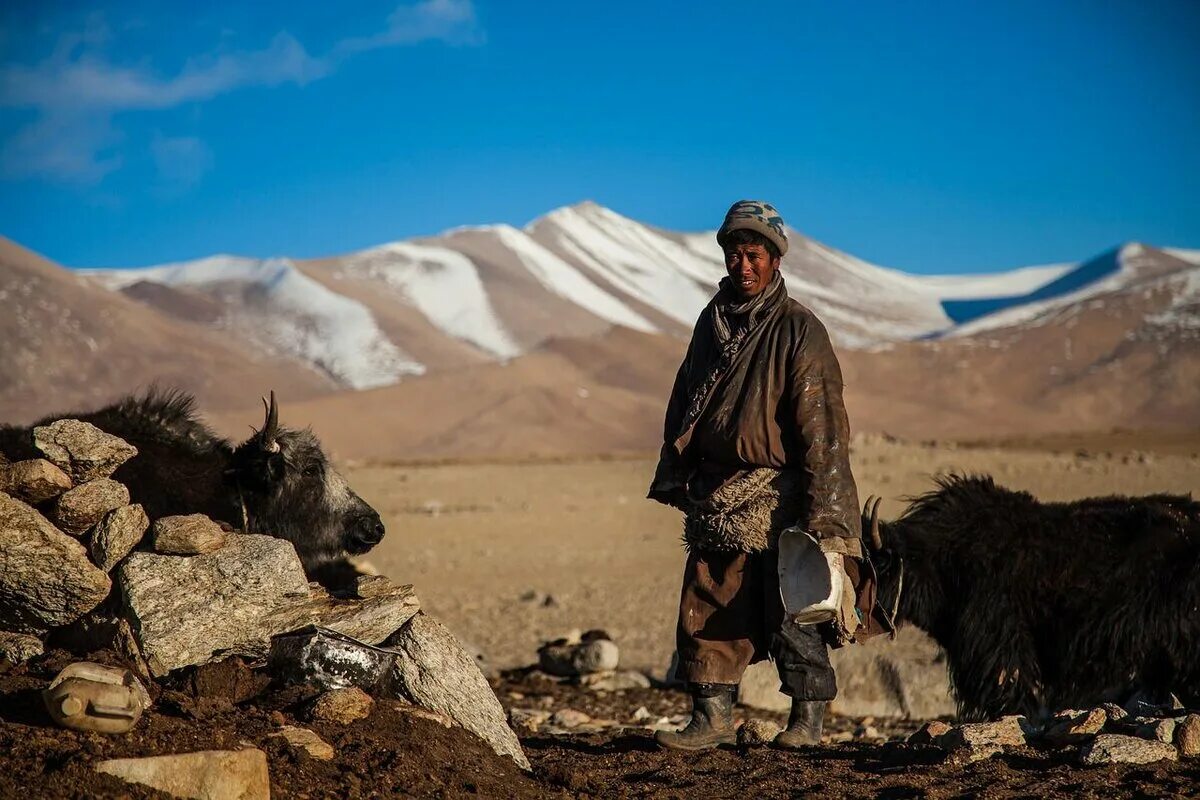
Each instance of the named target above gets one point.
<point>68,344</point>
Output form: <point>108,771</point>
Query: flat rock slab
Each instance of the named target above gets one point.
<point>82,507</point>
<point>82,450</point>
<point>1112,748</point>
<point>115,536</point>
<point>46,578</point>
<point>34,481</point>
<point>187,535</point>
<point>195,609</point>
<point>306,740</point>
<point>380,609</point>
<point>434,671</point>
<point>204,775</point>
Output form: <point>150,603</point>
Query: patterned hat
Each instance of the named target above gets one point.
<point>755,215</point>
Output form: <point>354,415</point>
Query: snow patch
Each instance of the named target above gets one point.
<point>443,285</point>
<point>285,312</point>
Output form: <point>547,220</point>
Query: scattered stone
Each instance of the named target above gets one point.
<point>757,733</point>
<point>979,740</point>
<point>306,740</point>
<point>227,599</point>
<point>930,733</point>
<point>433,670</point>
<point>595,652</point>
<point>46,578</point>
<point>206,775</point>
<point>642,714</point>
<point>342,706</point>
<point>84,506</point>
<point>569,718</point>
<point>115,536</point>
<point>1162,730</point>
<point>82,450</point>
<point>187,535</point>
<point>1112,748</point>
<point>905,678</point>
<point>1073,727</point>
<point>33,481</point>
<point>528,720</point>
<point>1187,736</point>
<point>619,681</point>
<point>869,732</point>
<point>16,648</point>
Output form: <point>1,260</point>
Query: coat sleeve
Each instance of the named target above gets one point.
<point>670,478</point>
<point>823,430</point>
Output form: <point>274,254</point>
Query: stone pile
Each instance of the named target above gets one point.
<point>84,568</point>
<point>1108,734</point>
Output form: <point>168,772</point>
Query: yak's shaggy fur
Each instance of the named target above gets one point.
<point>1043,606</point>
<point>279,479</point>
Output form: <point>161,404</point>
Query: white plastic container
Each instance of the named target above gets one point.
<point>810,582</point>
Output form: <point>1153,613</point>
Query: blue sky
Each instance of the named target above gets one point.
<point>933,137</point>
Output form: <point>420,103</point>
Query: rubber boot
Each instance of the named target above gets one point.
<point>804,725</point>
<point>711,723</point>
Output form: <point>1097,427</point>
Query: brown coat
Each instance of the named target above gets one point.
<point>774,401</point>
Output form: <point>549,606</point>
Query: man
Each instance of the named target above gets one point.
<point>756,446</point>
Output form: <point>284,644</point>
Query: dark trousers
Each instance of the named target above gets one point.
<point>731,615</point>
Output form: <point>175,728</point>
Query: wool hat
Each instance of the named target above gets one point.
<point>755,215</point>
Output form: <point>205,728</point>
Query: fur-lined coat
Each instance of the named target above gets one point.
<point>760,387</point>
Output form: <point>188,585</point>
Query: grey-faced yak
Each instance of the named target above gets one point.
<point>278,482</point>
<point>1044,606</point>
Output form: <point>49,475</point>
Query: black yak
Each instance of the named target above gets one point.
<point>278,482</point>
<point>1044,606</point>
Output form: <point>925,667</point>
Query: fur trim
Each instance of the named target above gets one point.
<point>747,514</point>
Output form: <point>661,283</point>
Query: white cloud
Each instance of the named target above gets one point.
<point>77,89</point>
<point>449,21</point>
<point>181,161</point>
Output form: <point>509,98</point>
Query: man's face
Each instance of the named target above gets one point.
<point>750,267</point>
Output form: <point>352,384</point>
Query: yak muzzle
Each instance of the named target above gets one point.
<point>366,532</point>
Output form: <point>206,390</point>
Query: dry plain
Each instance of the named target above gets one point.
<point>511,554</point>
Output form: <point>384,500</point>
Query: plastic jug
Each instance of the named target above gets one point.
<point>93,697</point>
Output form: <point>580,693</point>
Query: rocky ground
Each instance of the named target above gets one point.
<point>511,555</point>
<point>602,748</point>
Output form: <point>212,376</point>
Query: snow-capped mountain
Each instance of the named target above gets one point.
<point>491,293</point>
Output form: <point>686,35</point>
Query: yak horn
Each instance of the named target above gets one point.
<point>271,427</point>
<point>873,516</point>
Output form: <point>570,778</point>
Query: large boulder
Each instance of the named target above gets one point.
<point>435,672</point>
<point>34,481</point>
<point>82,450</point>
<point>205,775</point>
<point>190,610</point>
<point>235,599</point>
<point>46,578</point>
<point>82,507</point>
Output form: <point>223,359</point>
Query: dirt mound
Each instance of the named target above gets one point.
<point>390,752</point>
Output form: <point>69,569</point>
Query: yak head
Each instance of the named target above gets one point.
<point>287,488</point>
<point>910,581</point>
